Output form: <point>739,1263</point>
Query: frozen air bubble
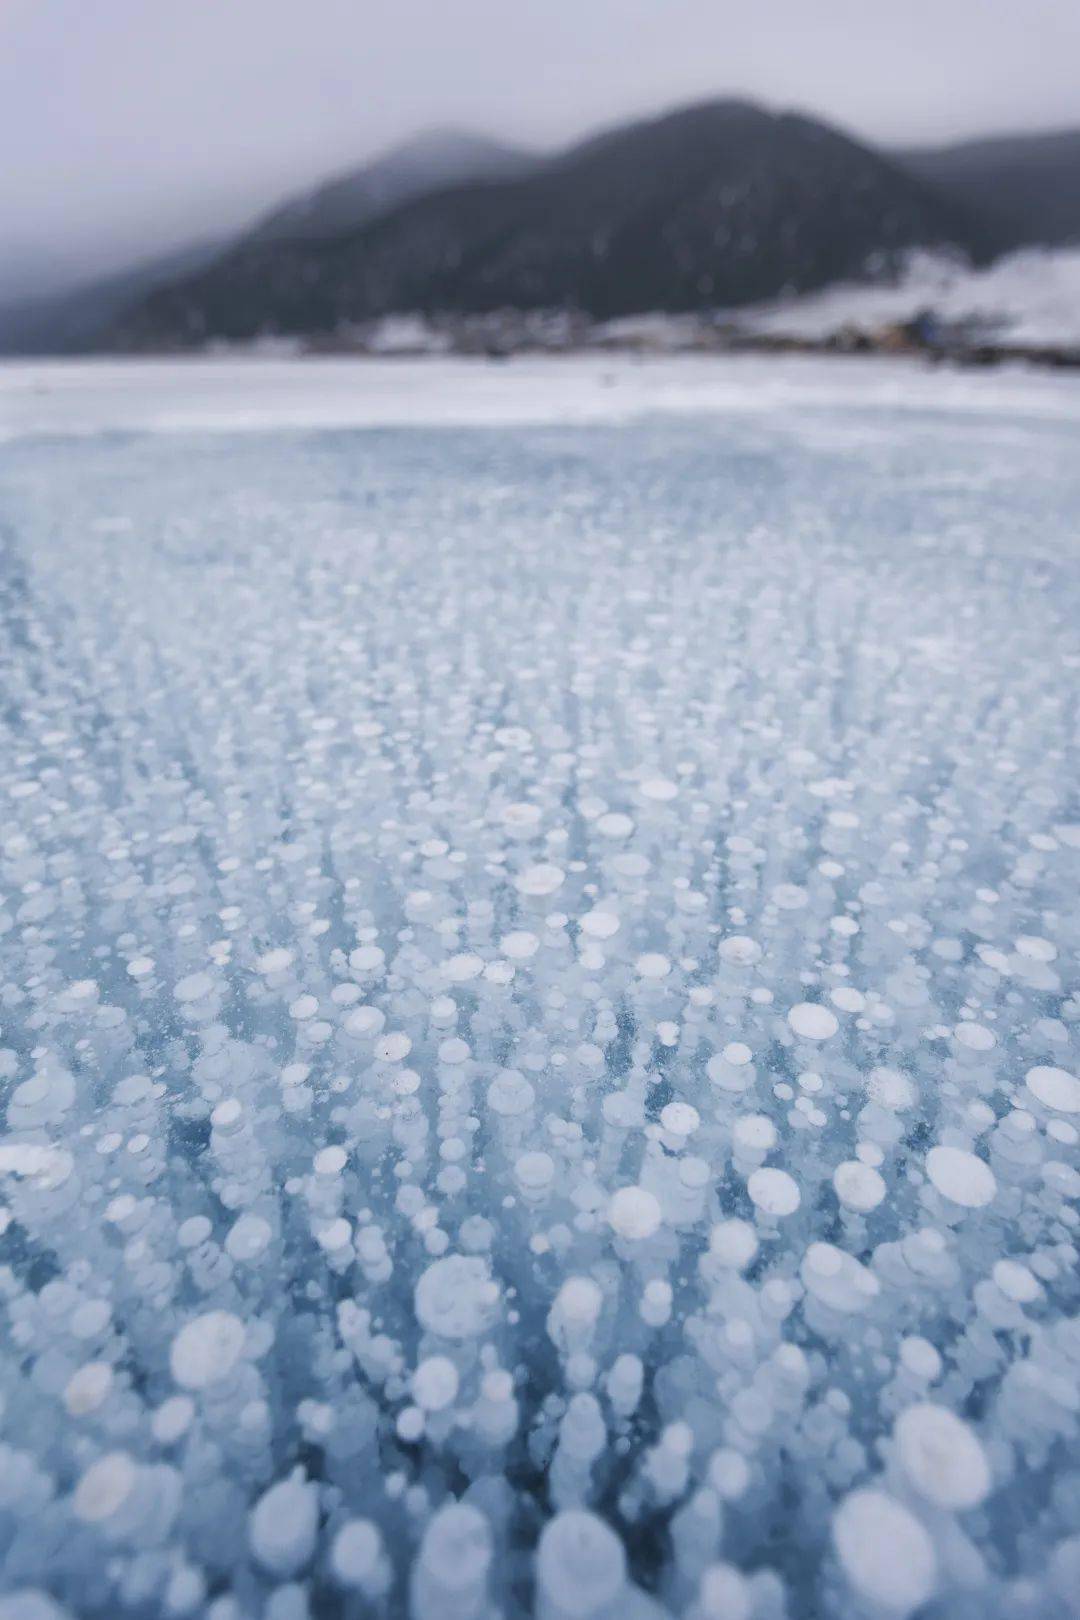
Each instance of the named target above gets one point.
<point>449,1577</point>
<point>891,1090</point>
<point>463,967</point>
<point>455,1297</point>
<point>886,1554</point>
<point>393,1048</point>
<point>193,989</point>
<point>248,1238</point>
<point>725,1594</point>
<point>580,1564</point>
<point>813,1022</point>
<point>600,923</point>
<point>837,1279</point>
<point>733,1243</point>
<point>960,1176</point>
<point>774,1192</point>
<point>283,1525</point>
<point>435,1384</point>
<point>105,1487</point>
<point>1054,1088</point>
<point>206,1349</point>
<point>356,1555</point>
<point>942,1457</point>
<point>538,881</point>
<point>634,1213</point>
<point>659,790</point>
<point>87,1388</point>
<point>858,1186</point>
<point>275,962</point>
<point>975,1037</point>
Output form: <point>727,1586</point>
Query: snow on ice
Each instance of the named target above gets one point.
<point>539,1011</point>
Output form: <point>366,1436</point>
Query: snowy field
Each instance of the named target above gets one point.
<point>538,983</point>
<point>257,394</point>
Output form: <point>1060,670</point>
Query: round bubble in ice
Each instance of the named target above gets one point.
<point>456,1297</point>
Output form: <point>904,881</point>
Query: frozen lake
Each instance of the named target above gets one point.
<point>538,991</point>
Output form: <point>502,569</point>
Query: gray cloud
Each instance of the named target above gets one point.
<point>129,125</point>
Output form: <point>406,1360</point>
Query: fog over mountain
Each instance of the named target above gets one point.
<point>715,204</point>
<point>140,129</point>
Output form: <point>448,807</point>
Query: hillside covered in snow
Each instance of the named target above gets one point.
<point>1028,298</point>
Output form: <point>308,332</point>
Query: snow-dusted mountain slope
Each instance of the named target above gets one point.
<point>1031,297</point>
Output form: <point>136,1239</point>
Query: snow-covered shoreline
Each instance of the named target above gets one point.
<point>1030,298</point>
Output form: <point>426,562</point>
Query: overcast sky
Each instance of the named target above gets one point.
<point>129,126</point>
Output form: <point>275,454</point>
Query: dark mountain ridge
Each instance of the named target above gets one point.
<point>717,204</point>
<point>713,205</point>
<point>427,162</point>
<point>76,319</point>
<point>1026,187</point>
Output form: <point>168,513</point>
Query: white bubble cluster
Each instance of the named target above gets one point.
<point>538,1023</point>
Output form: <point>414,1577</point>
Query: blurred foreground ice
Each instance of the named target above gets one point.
<point>539,1001</point>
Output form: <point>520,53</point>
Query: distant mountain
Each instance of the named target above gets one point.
<point>714,205</point>
<point>73,320</point>
<point>429,161</point>
<point>76,319</point>
<point>1025,188</point>
<point>719,204</point>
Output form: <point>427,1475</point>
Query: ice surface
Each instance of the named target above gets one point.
<point>538,991</point>
<point>253,395</point>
